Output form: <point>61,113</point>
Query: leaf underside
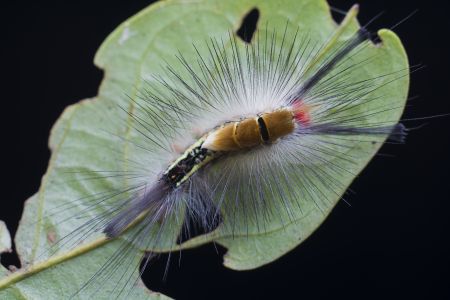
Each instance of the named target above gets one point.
<point>136,49</point>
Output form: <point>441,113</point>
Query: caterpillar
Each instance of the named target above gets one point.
<point>290,119</point>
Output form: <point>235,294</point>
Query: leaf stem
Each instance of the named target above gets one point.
<point>57,259</point>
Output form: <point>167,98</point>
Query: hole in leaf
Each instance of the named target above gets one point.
<point>337,14</point>
<point>248,26</point>
<point>10,260</point>
<point>192,228</point>
<point>186,271</point>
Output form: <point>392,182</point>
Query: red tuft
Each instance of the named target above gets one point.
<point>301,112</point>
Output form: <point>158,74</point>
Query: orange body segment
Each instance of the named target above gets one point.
<point>279,123</point>
<point>247,133</point>
<point>222,139</point>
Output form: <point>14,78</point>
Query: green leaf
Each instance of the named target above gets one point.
<point>5,238</point>
<point>82,140</point>
<point>5,245</point>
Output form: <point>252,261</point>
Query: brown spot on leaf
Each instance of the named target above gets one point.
<point>51,237</point>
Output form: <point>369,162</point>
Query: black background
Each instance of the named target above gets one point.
<point>392,241</point>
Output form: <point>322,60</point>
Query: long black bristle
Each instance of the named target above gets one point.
<point>361,36</point>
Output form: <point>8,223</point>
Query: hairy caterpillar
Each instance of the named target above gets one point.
<point>300,107</point>
<point>290,119</point>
